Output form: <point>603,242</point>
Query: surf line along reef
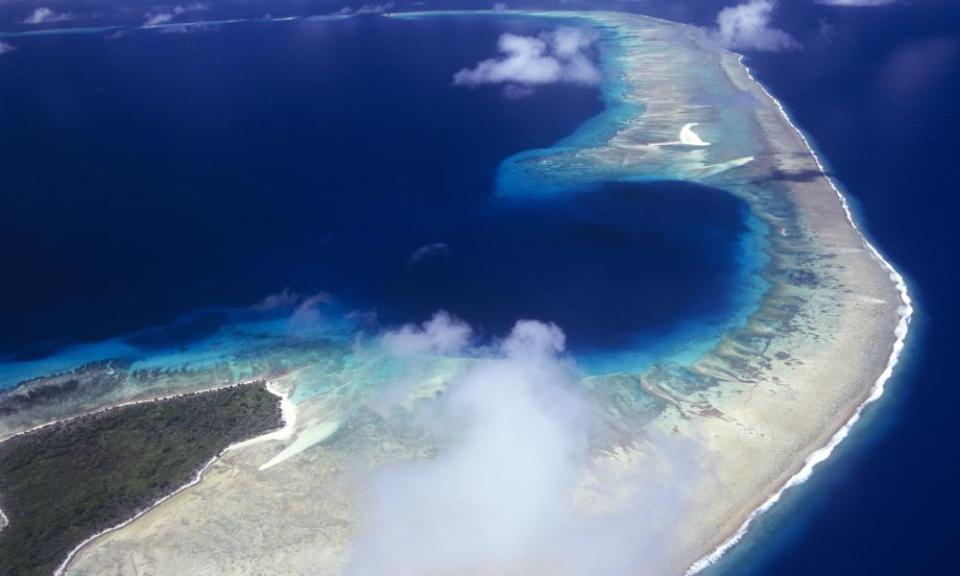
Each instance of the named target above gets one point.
<point>764,404</point>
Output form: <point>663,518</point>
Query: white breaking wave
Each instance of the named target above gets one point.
<point>818,456</point>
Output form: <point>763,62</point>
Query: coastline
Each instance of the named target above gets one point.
<point>735,377</point>
<point>876,391</point>
<point>288,416</point>
<point>126,403</point>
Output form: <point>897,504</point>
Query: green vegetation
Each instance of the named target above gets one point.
<point>61,484</point>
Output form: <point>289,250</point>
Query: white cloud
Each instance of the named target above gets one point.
<point>500,7</point>
<point>747,26</point>
<point>151,19</point>
<point>365,9</point>
<point>44,15</point>
<point>560,56</point>
<point>428,252</point>
<point>855,2</point>
<point>189,28</point>
<point>568,42</point>
<point>191,7</point>
<point>286,298</point>
<point>374,8</point>
<point>5,48</point>
<point>442,334</point>
<point>502,496</point>
<point>167,16</point>
<point>482,506</point>
<point>307,313</point>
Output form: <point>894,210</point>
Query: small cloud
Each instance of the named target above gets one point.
<point>747,27</point>
<point>189,27</point>
<point>44,15</point>
<point>158,19</point>
<point>557,57</point>
<point>374,8</point>
<point>365,9</point>
<point>533,339</point>
<point>286,298</point>
<point>6,48</point>
<point>441,334</point>
<point>500,7</point>
<point>428,252</point>
<point>166,16</point>
<point>307,312</point>
<point>192,7</point>
<point>855,2</point>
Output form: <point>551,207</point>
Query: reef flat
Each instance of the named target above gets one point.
<point>750,415</point>
<point>63,483</point>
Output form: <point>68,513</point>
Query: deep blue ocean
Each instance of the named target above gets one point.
<point>150,175</point>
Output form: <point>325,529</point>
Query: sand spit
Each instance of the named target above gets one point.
<point>769,402</point>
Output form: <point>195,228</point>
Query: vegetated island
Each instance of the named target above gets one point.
<point>63,483</point>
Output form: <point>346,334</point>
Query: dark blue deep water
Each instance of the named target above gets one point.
<point>146,177</point>
<point>152,174</point>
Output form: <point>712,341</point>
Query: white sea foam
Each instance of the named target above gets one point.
<point>905,311</point>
